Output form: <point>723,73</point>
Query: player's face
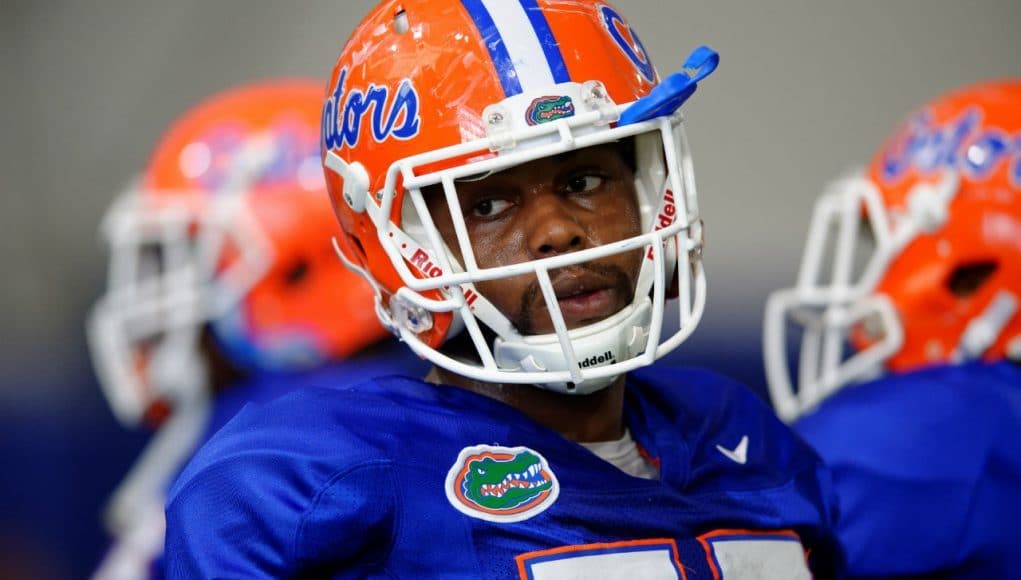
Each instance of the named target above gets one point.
<point>551,206</point>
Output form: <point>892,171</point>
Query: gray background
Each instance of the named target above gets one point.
<point>805,88</point>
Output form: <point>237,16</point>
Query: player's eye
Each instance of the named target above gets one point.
<point>490,207</point>
<point>583,183</point>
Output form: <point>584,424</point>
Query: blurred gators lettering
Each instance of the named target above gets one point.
<point>961,144</point>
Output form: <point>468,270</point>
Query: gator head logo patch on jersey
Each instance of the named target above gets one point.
<point>501,484</point>
<point>546,109</point>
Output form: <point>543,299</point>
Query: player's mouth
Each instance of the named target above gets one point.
<point>586,307</point>
<point>585,299</point>
<point>584,294</point>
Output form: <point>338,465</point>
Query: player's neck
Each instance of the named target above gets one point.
<point>583,418</point>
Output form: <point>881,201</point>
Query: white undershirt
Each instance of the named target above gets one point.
<point>623,454</point>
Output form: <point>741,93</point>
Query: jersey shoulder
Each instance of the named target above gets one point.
<point>264,476</point>
<point>331,420</point>
<point>716,414</point>
<point>701,392</point>
<point>954,411</point>
<point>381,360</point>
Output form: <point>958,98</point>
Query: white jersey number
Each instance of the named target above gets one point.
<point>730,555</point>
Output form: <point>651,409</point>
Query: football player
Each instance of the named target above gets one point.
<point>222,282</point>
<point>908,380</point>
<point>513,180</point>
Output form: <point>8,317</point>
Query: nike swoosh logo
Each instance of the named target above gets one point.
<point>738,454</point>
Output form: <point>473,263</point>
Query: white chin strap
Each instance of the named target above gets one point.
<point>177,367</point>
<point>985,329</point>
<point>620,337</point>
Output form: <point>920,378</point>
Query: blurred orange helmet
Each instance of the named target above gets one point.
<point>431,92</point>
<point>227,229</point>
<point>941,204</point>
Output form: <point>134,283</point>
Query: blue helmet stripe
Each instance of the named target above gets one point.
<point>494,43</point>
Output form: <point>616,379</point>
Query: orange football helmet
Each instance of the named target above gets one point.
<point>941,204</point>
<point>228,230</point>
<point>433,92</point>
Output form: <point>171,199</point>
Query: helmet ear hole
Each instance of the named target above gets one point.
<point>966,279</point>
<point>352,250</point>
<point>355,246</point>
<point>297,272</point>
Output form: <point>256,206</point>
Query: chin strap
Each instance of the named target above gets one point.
<point>620,337</point>
<point>984,330</point>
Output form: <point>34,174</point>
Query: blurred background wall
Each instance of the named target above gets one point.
<point>804,90</point>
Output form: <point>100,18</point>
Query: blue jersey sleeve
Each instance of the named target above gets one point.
<point>927,467</point>
<point>250,505</point>
<point>386,358</point>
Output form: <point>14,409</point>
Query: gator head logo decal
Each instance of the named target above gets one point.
<point>546,109</point>
<point>501,484</point>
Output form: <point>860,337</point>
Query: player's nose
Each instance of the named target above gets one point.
<point>553,227</point>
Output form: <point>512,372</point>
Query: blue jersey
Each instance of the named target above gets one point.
<point>928,471</point>
<point>399,478</point>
